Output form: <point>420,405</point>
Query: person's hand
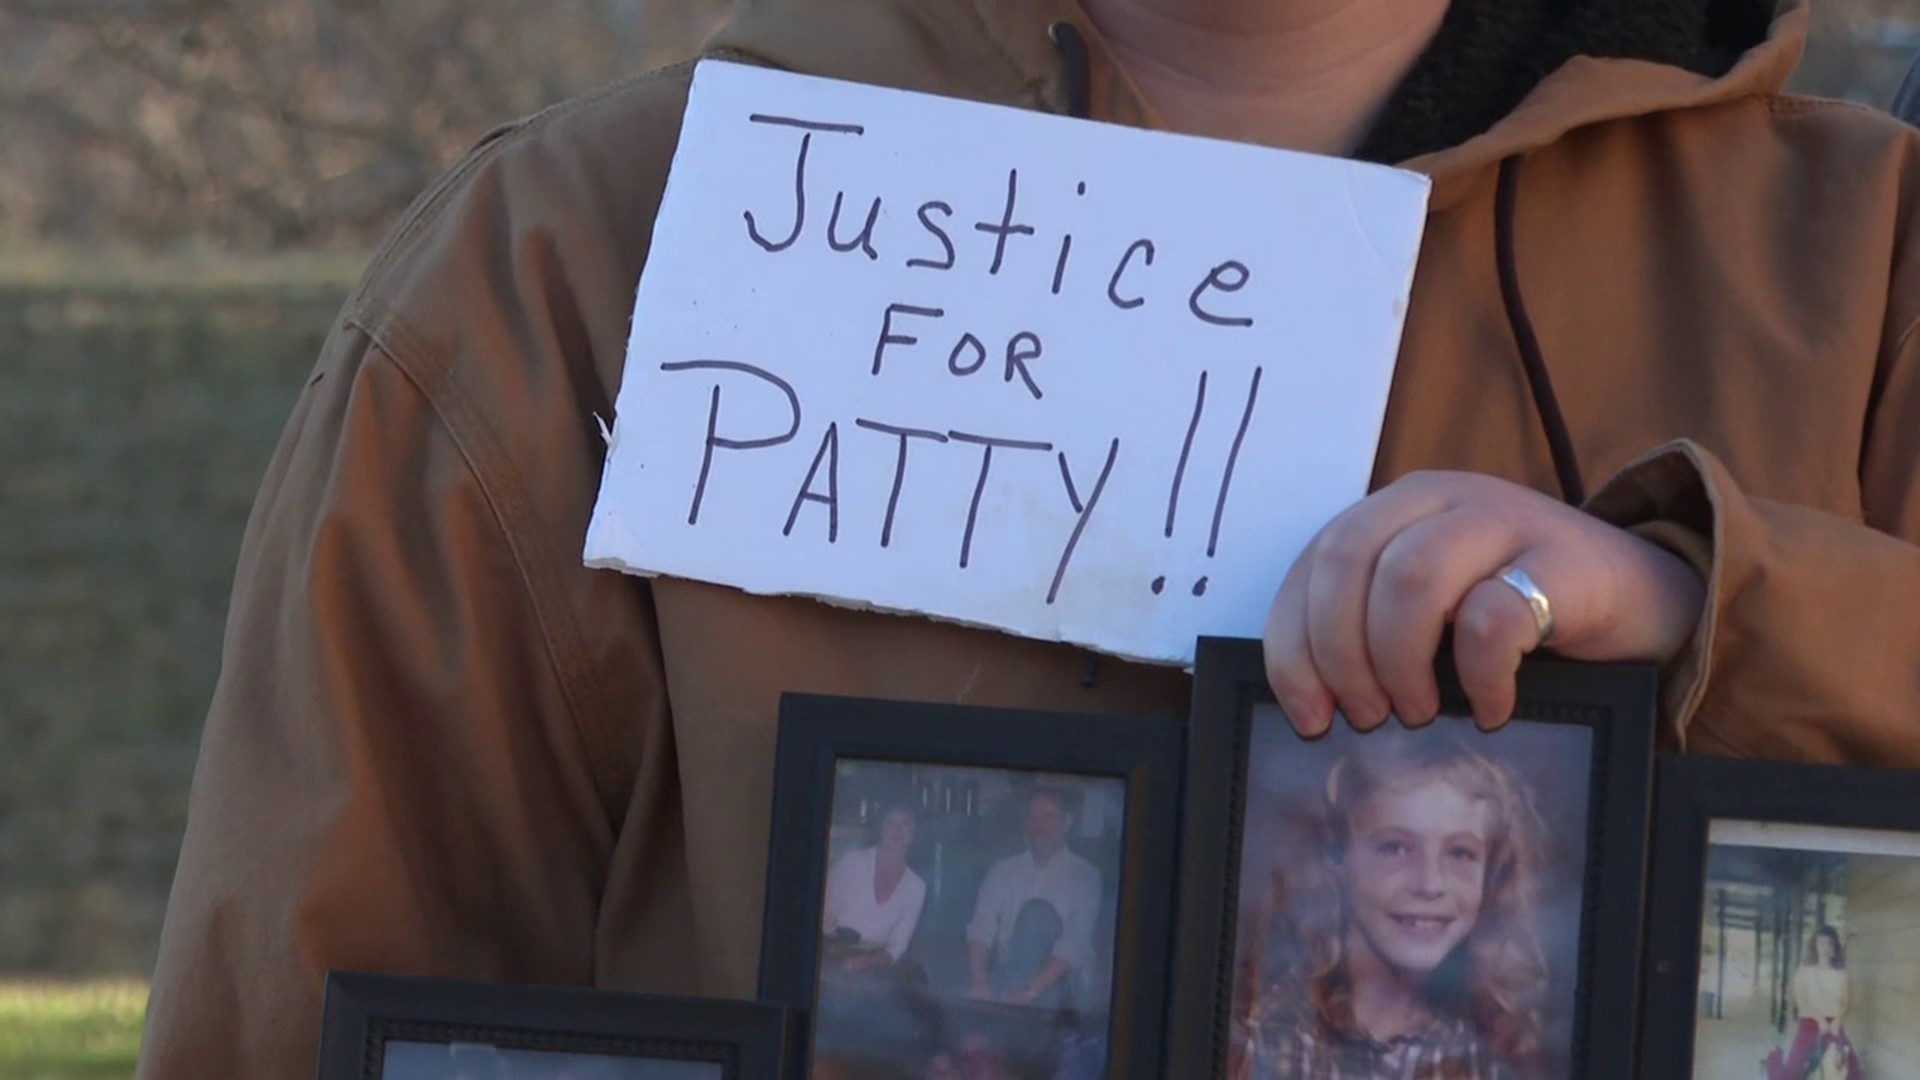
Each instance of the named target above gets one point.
<point>868,961</point>
<point>1023,995</point>
<point>1358,619</point>
<point>980,991</point>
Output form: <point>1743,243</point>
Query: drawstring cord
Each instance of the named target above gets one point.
<point>1559,443</point>
<point>1067,38</point>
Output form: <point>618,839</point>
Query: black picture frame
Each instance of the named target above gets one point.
<point>1146,753</point>
<point>1617,702</point>
<point>364,1012</point>
<point>1692,793</point>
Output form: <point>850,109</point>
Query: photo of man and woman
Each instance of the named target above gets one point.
<point>1810,939</point>
<point>482,1061</point>
<point>1410,902</point>
<point>967,924</point>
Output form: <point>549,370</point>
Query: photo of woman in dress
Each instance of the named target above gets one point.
<point>1808,945</point>
<point>1821,998</point>
<point>1399,931</point>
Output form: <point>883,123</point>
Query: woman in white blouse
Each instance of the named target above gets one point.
<point>872,892</point>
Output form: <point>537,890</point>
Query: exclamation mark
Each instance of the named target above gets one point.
<point>1226,475</point>
<point>1180,469</point>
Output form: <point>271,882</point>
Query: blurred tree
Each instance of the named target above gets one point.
<point>282,123</point>
<point>1860,49</point>
<point>270,124</point>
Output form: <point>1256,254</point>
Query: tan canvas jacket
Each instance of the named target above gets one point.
<point>440,745</point>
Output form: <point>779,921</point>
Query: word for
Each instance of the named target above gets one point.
<point>969,353</point>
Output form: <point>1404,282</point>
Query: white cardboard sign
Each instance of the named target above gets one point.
<point>1071,380</point>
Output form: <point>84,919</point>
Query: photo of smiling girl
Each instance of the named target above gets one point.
<point>1408,910</point>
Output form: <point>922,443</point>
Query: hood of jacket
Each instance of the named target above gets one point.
<point>1562,65</point>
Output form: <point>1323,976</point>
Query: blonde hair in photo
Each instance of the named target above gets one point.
<point>1296,935</point>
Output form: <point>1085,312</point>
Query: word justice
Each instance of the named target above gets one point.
<point>1128,277</point>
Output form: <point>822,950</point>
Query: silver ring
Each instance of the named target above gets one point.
<point>1537,602</point>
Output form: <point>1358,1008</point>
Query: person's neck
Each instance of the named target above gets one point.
<point>1301,74</point>
<point>1044,855</point>
<point>1387,1002</point>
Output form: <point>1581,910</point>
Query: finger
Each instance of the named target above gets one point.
<point>1343,558</point>
<point>1296,685</point>
<point>1492,631</point>
<point>1421,578</point>
<point>1415,723</point>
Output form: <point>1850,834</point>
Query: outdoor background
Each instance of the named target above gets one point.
<point>187,189</point>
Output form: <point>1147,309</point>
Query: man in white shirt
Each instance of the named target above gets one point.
<point>1031,937</point>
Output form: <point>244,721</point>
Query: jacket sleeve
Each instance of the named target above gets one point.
<point>394,775</point>
<point>1809,645</point>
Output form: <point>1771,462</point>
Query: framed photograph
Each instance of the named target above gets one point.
<point>964,892</point>
<point>1431,901</point>
<point>390,1027</point>
<point>1784,939</point>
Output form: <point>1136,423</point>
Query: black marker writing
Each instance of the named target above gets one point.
<point>967,343</point>
<point>899,467</point>
<point>1066,477</point>
<point>1084,512</point>
<point>807,125</point>
<point>1216,279</point>
<point>1006,227</point>
<point>888,337</point>
<point>715,440</point>
<point>799,204</point>
<point>1142,247</point>
<point>864,241</point>
<point>1022,347</point>
<point>987,444</point>
<point>1186,449</point>
<point>946,242</point>
<point>830,452</point>
<point>1066,247</point>
<point>1226,476</point>
<point>799,174</point>
<point>1125,289</point>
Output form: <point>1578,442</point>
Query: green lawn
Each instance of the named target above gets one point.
<point>70,1030</point>
<point>136,417</point>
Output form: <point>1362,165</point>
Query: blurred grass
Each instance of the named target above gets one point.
<point>138,408</point>
<point>178,271</point>
<point>70,1031</point>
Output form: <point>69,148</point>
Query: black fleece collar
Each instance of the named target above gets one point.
<point>1489,54</point>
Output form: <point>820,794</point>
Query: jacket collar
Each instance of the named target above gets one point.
<point>1000,51</point>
